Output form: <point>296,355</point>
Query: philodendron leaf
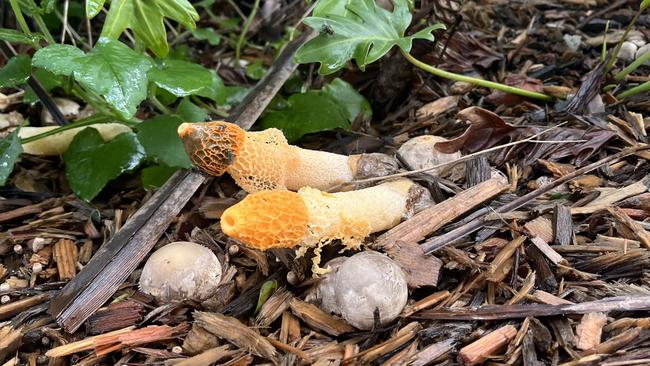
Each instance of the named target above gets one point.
<point>183,78</point>
<point>90,163</point>
<point>156,175</point>
<point>364,33</point>
<point>335,106</point>
<point>111,69</point>
<point>10,149</point>
<point>161,142</point>
<point>207,34</point>
<point>16,71</point>
<point>145,19</point>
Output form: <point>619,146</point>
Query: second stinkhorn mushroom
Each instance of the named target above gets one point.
<point>264,160</point>
<point>312,218</point>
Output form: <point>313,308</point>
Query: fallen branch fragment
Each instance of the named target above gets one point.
<point>404,335</point>
<point>613,195</point>
<point>477,352</point>
<point>236,333</point>
<point>318,319</point>
<point>494,312</point>
<point>642,234</point>
<point>590,330</point>
<point>441,241</point>
<point>13,308</point>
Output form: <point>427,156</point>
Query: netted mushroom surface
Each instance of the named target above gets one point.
<point>212,146</point>
<point>269,219</point>
<point>262,162</point>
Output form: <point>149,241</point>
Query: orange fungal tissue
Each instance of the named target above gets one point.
<point>311,218</point>
<point>264,160</point>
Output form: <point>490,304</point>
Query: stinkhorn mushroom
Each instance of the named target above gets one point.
<point>366,282</point>
<point>312,218</point>
<point>181,270</point>
<point>264,160</point>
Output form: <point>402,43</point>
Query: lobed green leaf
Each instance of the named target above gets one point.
<point>160,140</point>
<point>16,72</point>
<point>90,162</point>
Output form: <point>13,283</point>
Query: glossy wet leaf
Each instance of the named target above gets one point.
<point>10,150</point>
<point>190,112</point>
<point>14,36</point>
<point>90,162</point>
<point>266,291</point>
<point>47,80</point>
<point>183,78</point>
<point>111,69</point>
<point>156,175</point>
<point>145,19</point>
<point>93,7</point>
<point>207,34</point>
<point>335,106</point>
<point>161,142</point>
<point>16,72</point>
<point>364,33</point>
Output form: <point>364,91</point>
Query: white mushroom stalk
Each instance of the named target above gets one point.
<point>264,160</point>
<point>312,218</point>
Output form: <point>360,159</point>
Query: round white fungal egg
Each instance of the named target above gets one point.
<point>326,289</point>
<point>420,153</point>
<point>368,281</point>
<point>181,270</point>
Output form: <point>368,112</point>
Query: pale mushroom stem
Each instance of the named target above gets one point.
<point>264,160</point>
<point>311,218</point>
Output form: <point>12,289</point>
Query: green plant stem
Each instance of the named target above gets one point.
<point>92,120</point>
<point>645,87</point>
<point>633,66</point>
<point>204,105</point>
<point>22,23</point>
<point>480,82</point>
<point>247,24</point>
<point>612,60</point>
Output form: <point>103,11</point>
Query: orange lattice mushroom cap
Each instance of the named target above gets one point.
<point>267,219</point>
<point>212,146</point>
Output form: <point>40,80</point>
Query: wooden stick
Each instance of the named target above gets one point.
<point>115,261</point>
<point>13,308</point>
<point>612,196</point>
<point>478,352</point>
<point>441,241</point>
<point>642,234</point>
<point>495,312</point>
<point>208,357</point>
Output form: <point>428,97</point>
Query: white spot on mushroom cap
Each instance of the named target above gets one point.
<point>181,270</point>
<point>366,281</point>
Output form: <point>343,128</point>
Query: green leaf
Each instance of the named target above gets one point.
<point>161,142</point>
<point>10,150</point>
<point>266,291</point>
<point>331,7</point>
<point>207,34</point>
<point>14,36</point>
<point>645,4</point>
<point>47,80</point>
<point>93,7</point>
<point>352,102</point>
<point>90,163</point>
<point>16,71</point>
<point>255,70</point>
<point>111,69</point>
<point>335,106</point>
<point>145,19</point>
<point>365,34</point>
<point>183,78</point>
<point>190,112</point>
<point>156,175</point>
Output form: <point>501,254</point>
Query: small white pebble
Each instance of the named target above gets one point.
<point>292,278</point>
<point>572,41</point>
<point>233,250</point>
<point>18,249</point>
<point>5,287</point>
<point>596,105</point>
<point>5,299</point>
<point>628,50</point>
<point>45,341</point>
<point>642,51</point>
<point>37,244</point>
<point>177,349</point>
<point>37,268</point>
